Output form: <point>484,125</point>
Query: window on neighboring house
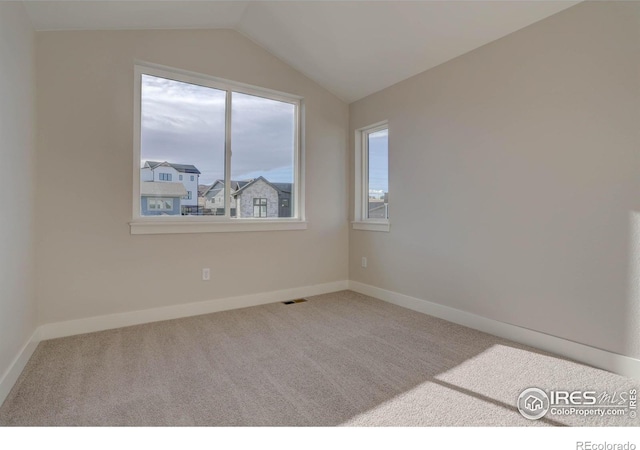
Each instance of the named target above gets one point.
<point>259,207</point>
<point>160,204</point>
<point>285,202</point>
<point>188,196</point>
<point>372,178</point>
<point>180,177</point>
<point>227,131</point>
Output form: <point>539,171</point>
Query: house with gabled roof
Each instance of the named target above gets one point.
<point>214,197</point>
<point>261,198</point>
<point>167,172</point>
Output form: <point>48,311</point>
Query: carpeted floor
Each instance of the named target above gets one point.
<point>338,359</point>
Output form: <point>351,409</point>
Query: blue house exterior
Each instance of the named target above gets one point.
<point>161,198</point>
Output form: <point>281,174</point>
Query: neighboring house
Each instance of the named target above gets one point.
<point>378,209</point>
<point>166,172</point>
<point>161,198</point>
<point>202,188</point>
<point>213,197</point>
<point>260,198</point>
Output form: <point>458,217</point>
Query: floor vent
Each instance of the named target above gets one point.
<point>291,302</point>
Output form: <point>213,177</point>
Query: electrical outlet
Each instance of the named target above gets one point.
<point>364,262</point>
<point>206,274</point>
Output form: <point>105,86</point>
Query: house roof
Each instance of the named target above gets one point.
<point>377,209</point>
<point>219,185</point>
<point>184,168</point>
<point>162,189</point>
<point>203,189</point>
<point>282,187</point>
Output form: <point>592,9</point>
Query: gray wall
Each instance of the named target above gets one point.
<point>514,180</point>
<point>91,264</point>
<point>17,183</point>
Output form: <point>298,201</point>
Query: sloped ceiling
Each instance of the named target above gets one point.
<point>352,48</point>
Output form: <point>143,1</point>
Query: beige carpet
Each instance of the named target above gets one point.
<point>338,359</point>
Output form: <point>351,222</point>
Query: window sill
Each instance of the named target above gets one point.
<point>180,227</point>
<point>371,226</point>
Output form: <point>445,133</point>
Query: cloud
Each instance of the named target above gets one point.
<point>185,123</point>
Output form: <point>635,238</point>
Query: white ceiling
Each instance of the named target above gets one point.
<point>352,48</point>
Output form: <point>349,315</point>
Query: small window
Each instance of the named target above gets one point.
<point>372,178</point>
<point>189,195</point>
<point>164,177</point>
<point>192,177</point>
<point>285,202</point>
<point>259,207</point>
<point>180,177</point>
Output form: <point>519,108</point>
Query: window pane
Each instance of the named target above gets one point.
<point>378,175</point>
<point>263,149</point>
<point>182,132</point>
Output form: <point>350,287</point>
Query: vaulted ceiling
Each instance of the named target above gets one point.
<point>352,48</point>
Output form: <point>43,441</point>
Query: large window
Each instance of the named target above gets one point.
<point>372,178</point>
<point>237,144</point>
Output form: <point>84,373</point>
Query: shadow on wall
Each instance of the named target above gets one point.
<point>571,272</point>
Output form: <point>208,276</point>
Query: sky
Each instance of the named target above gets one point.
<point>184,123</point>
<point>379,162</point>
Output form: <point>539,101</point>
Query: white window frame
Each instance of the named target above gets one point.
<point>360,216</point>
<point>203,224</point>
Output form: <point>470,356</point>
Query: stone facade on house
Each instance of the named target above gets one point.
<point>260,188</point>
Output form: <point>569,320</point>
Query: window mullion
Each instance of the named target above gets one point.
<point>227,158</point>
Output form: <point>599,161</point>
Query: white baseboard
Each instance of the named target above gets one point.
<point>11,375</point>
<point>613,362</point>
<point>110,321</point>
